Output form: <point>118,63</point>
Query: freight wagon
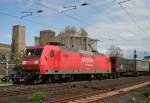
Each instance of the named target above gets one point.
<point>129,67</point>
<point>138,67</point>
<point>142,67</point>
<point>119,65</point>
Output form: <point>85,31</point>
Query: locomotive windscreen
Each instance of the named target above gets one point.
<point>33,52</point>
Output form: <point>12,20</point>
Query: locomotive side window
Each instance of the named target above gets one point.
<point>52,53</point>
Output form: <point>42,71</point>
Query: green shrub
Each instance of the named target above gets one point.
<point>38,96</point>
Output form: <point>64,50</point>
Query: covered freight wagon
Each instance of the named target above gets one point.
<point>142,67</point>
<point>129,67</point>
<point>122,66</point>
<point>138,67</point>
<point>119,64</point>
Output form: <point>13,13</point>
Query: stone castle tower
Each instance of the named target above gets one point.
<point>18,41</point>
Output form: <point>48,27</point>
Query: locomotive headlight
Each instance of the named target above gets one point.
<point>36,62</point>
<point>24,62</point>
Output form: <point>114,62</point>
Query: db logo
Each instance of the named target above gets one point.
<point>87,60</point>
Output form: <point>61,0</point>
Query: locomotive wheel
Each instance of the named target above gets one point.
<point>38,80</point>
<point>50,79</point>
<point>71,78</point>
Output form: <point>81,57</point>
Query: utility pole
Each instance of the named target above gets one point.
<point>144,53</point>
<point>135,57</point>
<point>112,41</point>
<point>7,65</point>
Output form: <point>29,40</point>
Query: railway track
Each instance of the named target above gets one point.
<point>28,89</point>
<point>19,90</point>
<point>23,87</point>
<point>67,92</point>
<point>95,96</point>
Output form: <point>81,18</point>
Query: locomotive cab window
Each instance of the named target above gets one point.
<point>38,52</point>
<point>33,52</point>
<point>29,52</point>
<point>52,53</point>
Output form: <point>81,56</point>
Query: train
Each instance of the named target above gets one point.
<point>129,67</point>
<point>50,63</point>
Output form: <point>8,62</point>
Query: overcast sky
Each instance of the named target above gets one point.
<point>126,25</point>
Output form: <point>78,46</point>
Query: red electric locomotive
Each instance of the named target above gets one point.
<point>53,62</point>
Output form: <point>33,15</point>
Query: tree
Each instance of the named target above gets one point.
<point>115,51</point>
<point>83,32</point>
<point>70,31</point>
